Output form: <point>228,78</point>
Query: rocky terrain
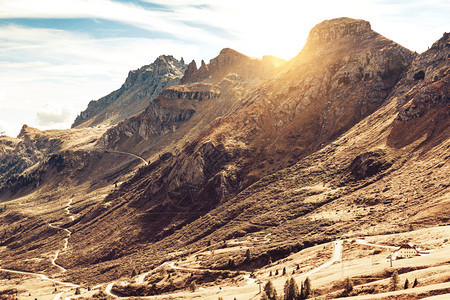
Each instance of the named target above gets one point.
<point>139,89</point>
<point>181,112</point>
<point>349,138</point>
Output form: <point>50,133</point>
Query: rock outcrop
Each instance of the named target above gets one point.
<point>230,61</point>
<point>140,88</point>
<point>167,120</point>
<point>350,137</point>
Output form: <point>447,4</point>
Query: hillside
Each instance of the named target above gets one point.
<point>181,112</point>
<point>138,90</point>
<point>350,138</point>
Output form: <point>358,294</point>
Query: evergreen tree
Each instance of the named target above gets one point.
<point>406,284</point>
<point>415,283</point>
<point>77,291</point>
<point>270,273</point>
<point>284,271</point>
<point>247,254</point>
<point>302,291</point>
<point>348,287</point>
<point>307,288</point>
<point>133,273</point>
<point>270,291</point>
<point>394,280</point>
<point>276,272</point>
<point>291,290</point>
<point>193,286</point>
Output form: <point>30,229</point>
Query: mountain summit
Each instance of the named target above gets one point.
<point>140,87</point>
<point>236,164</point>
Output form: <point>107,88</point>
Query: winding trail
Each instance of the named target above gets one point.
<point>66,240</point>
<point>55,257</point>
<point>41,276</point>
<point>364,242</point>
<point>337,256</point>
<point>127,153</point>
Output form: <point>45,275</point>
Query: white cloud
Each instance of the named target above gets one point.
<point>161,21</point>
<point>60,69</point>
<point>65,70</point>
<point>53,117</point>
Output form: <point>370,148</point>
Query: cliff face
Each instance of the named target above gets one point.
<point>424,98</point>
<point>230,61</point>
<point>364,129</point>
<point>140,87</point>
<point>344,74</point>
<point>350,137</point>
<point>181,112</point>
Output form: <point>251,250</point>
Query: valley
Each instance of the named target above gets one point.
<point>206,183</point>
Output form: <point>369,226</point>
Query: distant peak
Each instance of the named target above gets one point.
<point>334,29</point>
<point>27,130</point>
<point>228,51</point>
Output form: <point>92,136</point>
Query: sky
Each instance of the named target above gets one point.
<point>57,55</point>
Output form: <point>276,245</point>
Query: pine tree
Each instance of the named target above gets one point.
<point>193,286</point>
<point>284,271</point>
<point>77,291</point>
<point>307,288</point>
<point>415,283</point>
<point>394,280</point>
<point>133,273</point>
<point>270,273</point>
<point>270,291</point>
<point>276,272</point>
<point>247,254</point>
<point>406,284</point>
<point>348,287</point>
<point>291,290</point>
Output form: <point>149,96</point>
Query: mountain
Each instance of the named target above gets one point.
<point>140,87</point>
<point>180,112</point>
<point>350,138</point>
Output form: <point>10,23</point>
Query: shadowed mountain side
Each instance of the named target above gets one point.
<point>357,185</point>
<point>207,193</point>
<point>180,113</point>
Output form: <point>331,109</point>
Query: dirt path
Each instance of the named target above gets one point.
<point>55,257</point>
<point>41,276</point>
<point>126,153</point>
<point>66,240</point>
<point>337,255</point>
<point>364,242</point>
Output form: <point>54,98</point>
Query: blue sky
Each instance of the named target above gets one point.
<point>57,55</point>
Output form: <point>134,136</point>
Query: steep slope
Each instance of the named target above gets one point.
<point>330,86</point>
<point>181,112</point>
<point>345,73</point>
<point>140,87</point>
<point>32,146</point>
<point>363,183</point>
<point>388,172</point>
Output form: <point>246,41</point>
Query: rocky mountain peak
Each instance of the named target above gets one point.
<point>228,61</point>
<point>27,130</point>
<point>140,87</point>
<point>330,30</point>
